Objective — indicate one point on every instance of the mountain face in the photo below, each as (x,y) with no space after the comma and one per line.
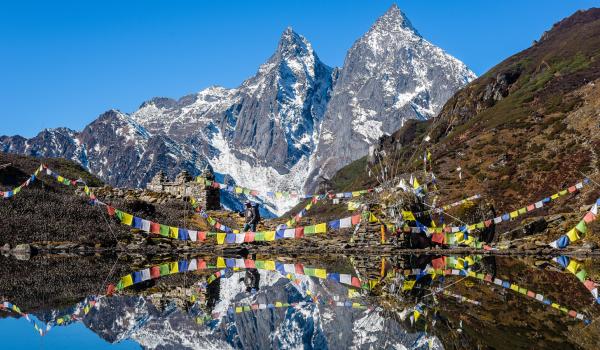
(294,116)
(390,74)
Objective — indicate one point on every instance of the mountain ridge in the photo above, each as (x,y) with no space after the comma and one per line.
(265,133)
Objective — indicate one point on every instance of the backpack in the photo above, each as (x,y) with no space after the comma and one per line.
(256,213)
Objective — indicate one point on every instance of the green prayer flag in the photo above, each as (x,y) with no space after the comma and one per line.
(164,230)
(581,227)
(581,275)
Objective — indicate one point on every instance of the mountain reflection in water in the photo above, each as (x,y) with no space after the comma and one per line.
(337,302)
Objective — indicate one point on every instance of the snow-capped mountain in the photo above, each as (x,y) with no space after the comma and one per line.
(390,74)
(294,116)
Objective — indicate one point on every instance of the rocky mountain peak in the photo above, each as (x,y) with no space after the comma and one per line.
(394,20)
(292,44)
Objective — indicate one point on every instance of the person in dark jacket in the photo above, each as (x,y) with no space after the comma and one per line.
(251,215)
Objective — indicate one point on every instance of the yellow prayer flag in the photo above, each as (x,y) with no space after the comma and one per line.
(573,266)
(220,262)
(269,235)
(127,219)
(373,218)
(408,216)
(173,267)
(174,232)
(408,285)
(269,265)
(554,196)
(416,184)
(238,309)
(126,281)
(278,304)
(321,273)
(416,315)
(514,214)
(321,228)
(221,237)
(572,234)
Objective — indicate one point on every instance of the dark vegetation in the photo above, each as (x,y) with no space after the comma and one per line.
(50,211)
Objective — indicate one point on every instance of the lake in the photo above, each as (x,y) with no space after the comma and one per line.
(312,302)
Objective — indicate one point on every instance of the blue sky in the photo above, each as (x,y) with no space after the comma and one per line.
(17,333)
(63,63)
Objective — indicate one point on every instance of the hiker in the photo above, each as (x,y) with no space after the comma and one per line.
(251,280)
(252,216)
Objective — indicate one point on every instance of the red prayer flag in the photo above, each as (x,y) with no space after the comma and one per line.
(249,263)
(249,237)
(110,210)
(572,189)
(589,284)
(589,217)
(201,236)
(531,207)
(355,282)
(299,269)
(154,227)
(201,264)
(439,263)
(438,238)
(572,313)
(299,232)
(355,219)
(488,278)
(487,223)
(530,294)
(154,272)
(111,289)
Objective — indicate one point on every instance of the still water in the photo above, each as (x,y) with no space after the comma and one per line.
(320,302)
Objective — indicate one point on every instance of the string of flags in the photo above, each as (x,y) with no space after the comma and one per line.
(8,306)
(185,234)
(276,195)
(443,235)
(443,271)
(224,264)
(43,328)
(506,216)
(16,190)
(579,231)
(579,271)
(84,307)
